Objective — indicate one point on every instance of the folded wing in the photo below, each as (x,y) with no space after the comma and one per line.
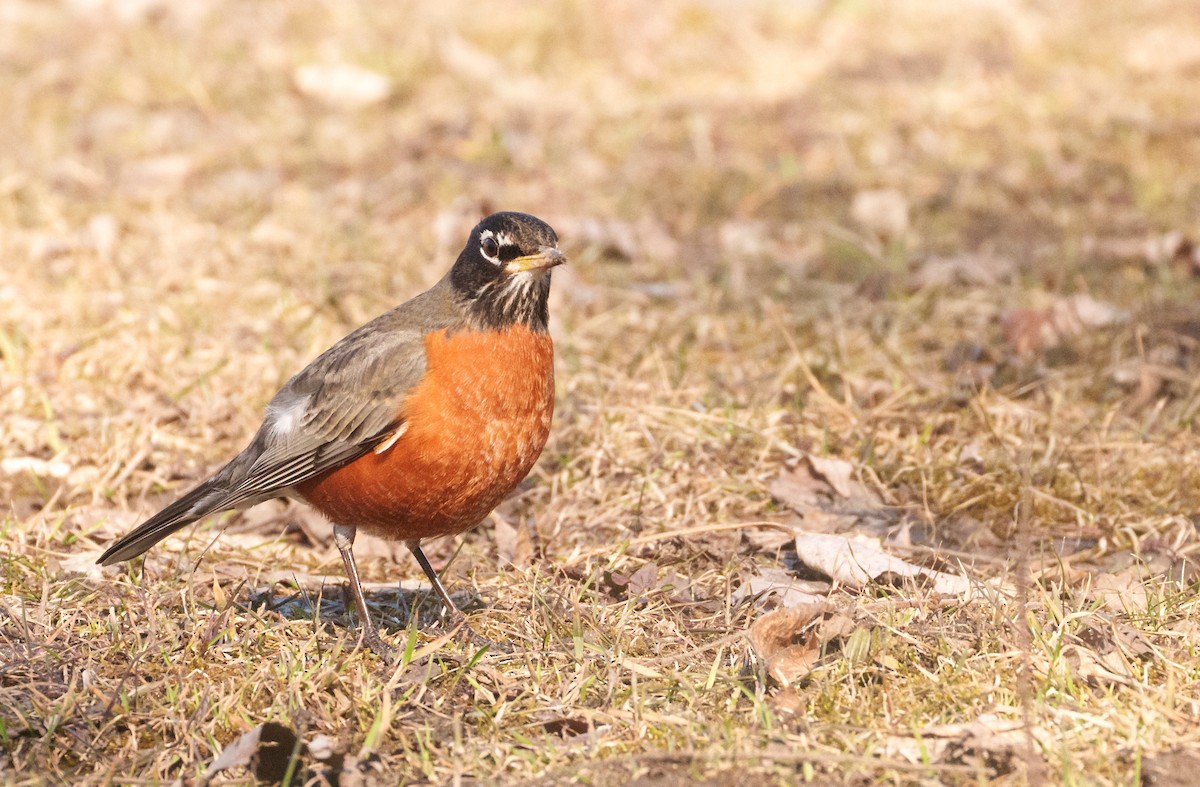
(337,409)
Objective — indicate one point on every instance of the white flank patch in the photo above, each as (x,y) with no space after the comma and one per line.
(286,415)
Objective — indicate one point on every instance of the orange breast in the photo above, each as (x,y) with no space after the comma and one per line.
(475,425)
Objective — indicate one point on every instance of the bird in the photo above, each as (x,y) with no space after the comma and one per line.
(415,425)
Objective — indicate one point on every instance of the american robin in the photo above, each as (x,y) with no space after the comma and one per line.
(415,425)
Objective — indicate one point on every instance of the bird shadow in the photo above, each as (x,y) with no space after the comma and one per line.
(391,607)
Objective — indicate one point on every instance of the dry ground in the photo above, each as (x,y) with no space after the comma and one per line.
(855,231)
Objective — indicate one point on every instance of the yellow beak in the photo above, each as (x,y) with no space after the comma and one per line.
(546,257)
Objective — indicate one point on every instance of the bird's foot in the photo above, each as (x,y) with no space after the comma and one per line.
(371,638)
(459,630)
(464,634)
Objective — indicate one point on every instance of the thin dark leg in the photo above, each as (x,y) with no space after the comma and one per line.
(452,611)
(455,616)
(343,537)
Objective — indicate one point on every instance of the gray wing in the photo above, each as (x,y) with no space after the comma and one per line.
(331,413)
(337,409)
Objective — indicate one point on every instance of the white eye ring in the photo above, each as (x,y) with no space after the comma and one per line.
(489,247)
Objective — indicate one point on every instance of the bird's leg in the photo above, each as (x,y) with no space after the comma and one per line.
(343,537)
(455,617)
(453,613)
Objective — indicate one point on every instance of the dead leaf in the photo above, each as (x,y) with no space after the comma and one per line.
(835,627)
(816,521)
(771,539)
(679,586)
(1106,635)
(789,702)
(267,748)
(220,600)
(1082,311)
(779,638)
(1030,332)
(637,584)
(836,472)
(643,580)
(1096,669)
(857,563)
(780,585)
(825,493)
(514,545)
(987,741)
(1150,373)
(799,488)
(1131,642)
(1121,592)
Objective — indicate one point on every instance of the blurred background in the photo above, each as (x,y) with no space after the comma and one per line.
(904,206)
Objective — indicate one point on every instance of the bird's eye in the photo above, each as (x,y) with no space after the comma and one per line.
(489,247)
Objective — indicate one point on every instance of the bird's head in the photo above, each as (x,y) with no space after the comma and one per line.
(503,273)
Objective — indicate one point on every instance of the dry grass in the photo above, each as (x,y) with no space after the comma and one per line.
(181,228)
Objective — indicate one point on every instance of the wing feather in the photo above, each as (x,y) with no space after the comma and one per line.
(340,407)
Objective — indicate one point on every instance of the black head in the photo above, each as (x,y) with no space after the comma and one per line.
(503,273)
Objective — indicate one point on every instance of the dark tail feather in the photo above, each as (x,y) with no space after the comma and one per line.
(205,499)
